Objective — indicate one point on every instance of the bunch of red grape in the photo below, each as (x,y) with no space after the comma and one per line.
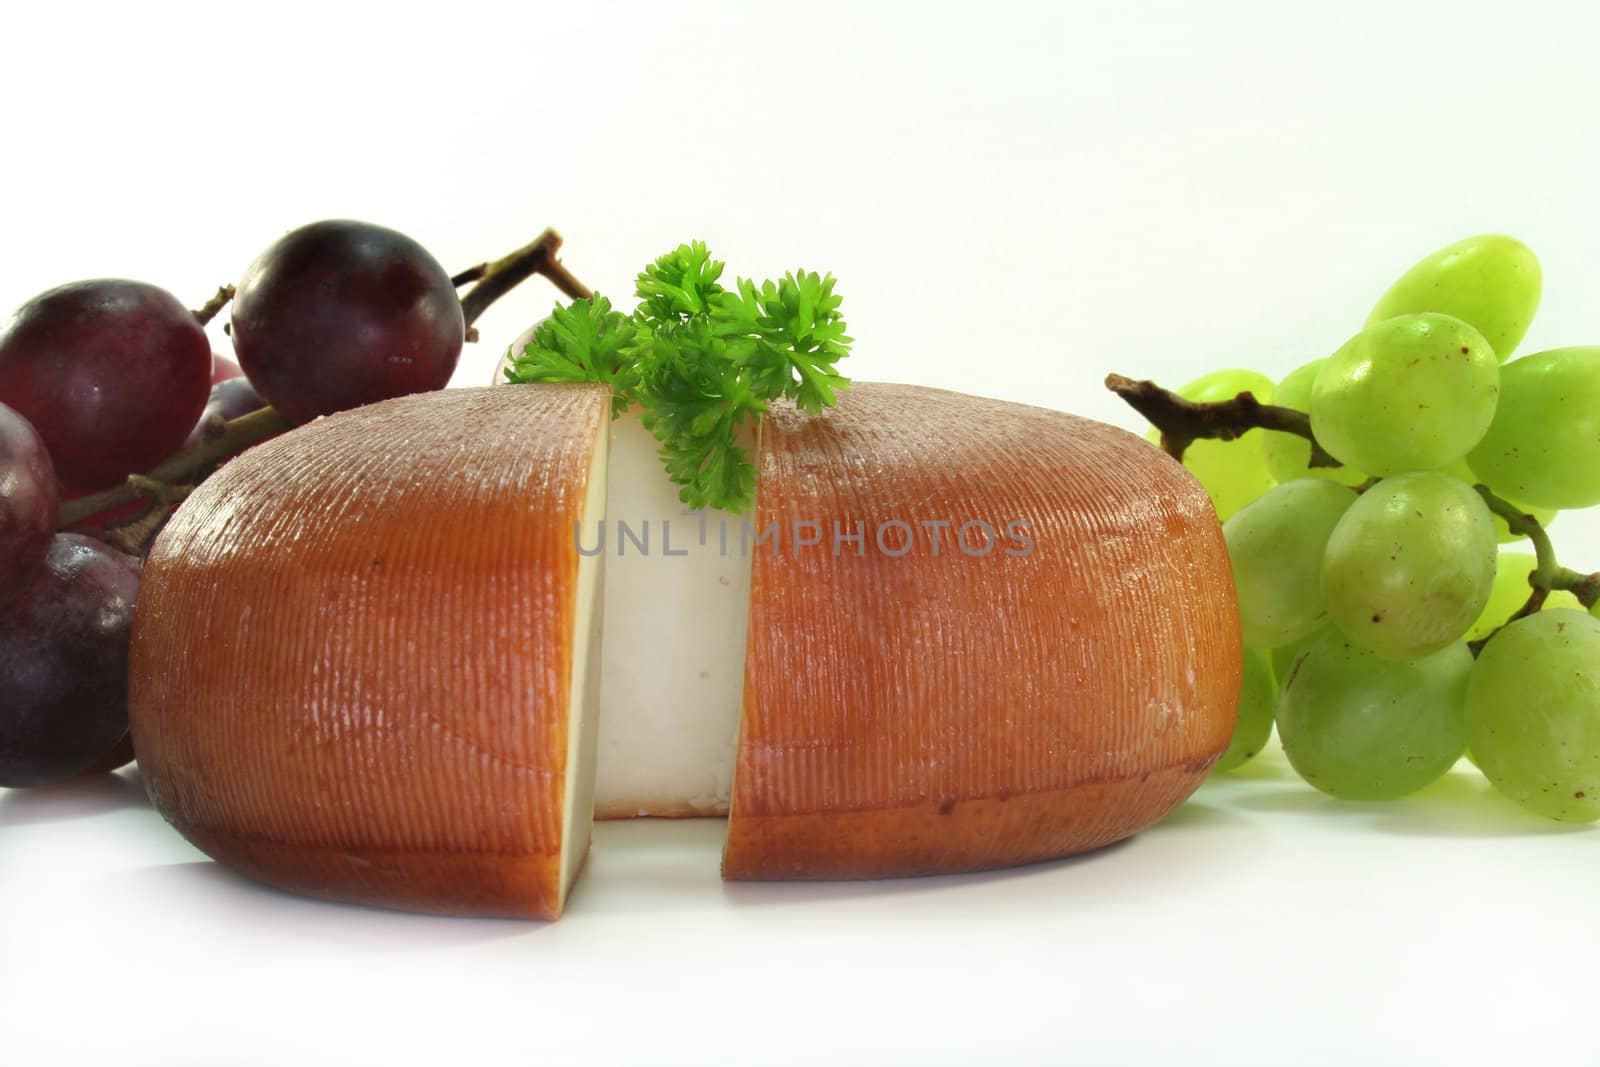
(100,380)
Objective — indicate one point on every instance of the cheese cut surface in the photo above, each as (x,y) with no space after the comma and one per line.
(972,707)
(363,665)
(677,605)
(583,695)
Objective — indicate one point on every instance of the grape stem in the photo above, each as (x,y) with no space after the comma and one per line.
(491,281)
(1548,574)
(134,536)
(1586,587)
(1183,422)
(181,469)
(210,308)
(159,492)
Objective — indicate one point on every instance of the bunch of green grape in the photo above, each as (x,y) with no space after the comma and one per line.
(1361,585)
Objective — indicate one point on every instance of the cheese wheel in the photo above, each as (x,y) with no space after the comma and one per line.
(365,664)
(981,634)
(955,634)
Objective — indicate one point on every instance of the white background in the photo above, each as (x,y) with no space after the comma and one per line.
(1016,199)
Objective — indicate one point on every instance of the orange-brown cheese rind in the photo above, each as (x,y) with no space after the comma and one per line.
(352,659)
(962,710)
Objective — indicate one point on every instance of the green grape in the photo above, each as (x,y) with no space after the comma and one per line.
(1412,393)
(1232,472)
(1288,455)
(1276,544)
(1284,656)
(1511,591)
(1533,714)
(1364,728)
(1543,516)
(1544,443)
(1410,565)
(1492,281)
(1258,694)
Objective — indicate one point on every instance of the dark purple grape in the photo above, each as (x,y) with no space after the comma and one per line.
(229,399)
(111,373)
(339,314)
(64,662)
(28,500)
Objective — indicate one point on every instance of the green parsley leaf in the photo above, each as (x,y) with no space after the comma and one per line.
(701,361)
(585,341)
(790,335)
(696,401)
(679,285)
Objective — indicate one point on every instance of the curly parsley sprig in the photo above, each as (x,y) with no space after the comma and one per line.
(584,341)
(701,360)
(679,286)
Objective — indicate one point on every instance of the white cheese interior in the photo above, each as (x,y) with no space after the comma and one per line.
(582,731)
(671,667)
(677,606)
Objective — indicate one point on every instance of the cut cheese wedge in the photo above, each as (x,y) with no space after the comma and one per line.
(365,659)
(1014,639)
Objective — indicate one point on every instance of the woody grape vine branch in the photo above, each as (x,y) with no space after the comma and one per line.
(1182,422)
